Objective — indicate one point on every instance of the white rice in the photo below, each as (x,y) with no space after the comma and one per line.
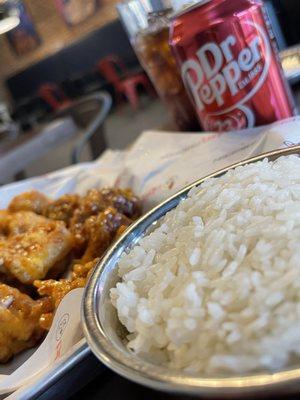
(216,287)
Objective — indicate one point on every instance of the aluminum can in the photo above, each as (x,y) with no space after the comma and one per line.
(227,54)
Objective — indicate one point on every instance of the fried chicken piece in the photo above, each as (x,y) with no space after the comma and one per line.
(29,201)
(19,321)
(19,222)
(97,201)
(84,270)
(55,291)
(22,221)
(63,208)
(101,230)
(30,255)
(124,201)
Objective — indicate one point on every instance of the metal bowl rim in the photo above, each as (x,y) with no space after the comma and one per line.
(149,374)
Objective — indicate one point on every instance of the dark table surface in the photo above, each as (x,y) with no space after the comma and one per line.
(109,386)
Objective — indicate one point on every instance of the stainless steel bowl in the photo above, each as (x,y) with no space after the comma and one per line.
(106,336)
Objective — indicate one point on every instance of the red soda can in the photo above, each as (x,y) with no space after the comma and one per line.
(229,63)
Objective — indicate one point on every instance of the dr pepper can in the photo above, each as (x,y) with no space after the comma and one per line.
(228,58)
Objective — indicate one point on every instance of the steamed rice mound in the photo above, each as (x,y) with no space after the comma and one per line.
(215,288)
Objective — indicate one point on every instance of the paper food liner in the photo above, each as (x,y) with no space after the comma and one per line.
(155,167)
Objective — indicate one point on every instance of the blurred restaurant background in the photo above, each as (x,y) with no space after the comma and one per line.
(59,56)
